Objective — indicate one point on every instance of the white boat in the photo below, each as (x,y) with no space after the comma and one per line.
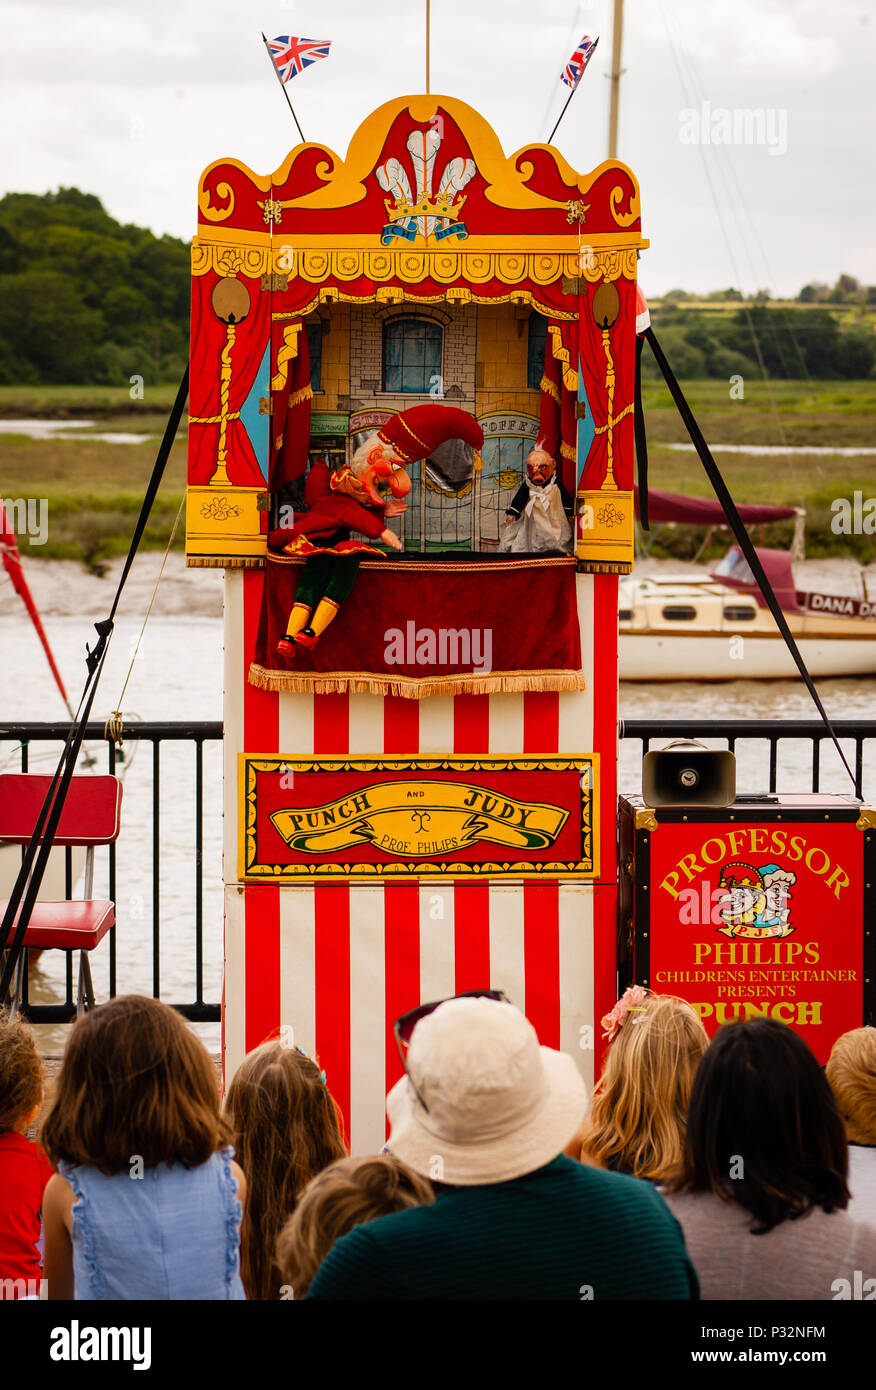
(717,627)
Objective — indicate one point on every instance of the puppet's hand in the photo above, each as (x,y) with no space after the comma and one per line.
(391,539)
(509,517)
(394,507)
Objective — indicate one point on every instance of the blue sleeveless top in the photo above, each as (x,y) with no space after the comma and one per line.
(172,1234)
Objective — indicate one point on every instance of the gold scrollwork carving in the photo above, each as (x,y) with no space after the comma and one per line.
(617,195)
(380,265)
(347,265)
(445,267)
(314,265)
(222,190)
(607,265)
(411,266)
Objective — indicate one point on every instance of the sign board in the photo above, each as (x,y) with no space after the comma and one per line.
(441,817)
(763,918)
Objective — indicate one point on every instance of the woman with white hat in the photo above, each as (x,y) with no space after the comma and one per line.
(487,1115)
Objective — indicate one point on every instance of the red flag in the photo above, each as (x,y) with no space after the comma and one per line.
(11,557)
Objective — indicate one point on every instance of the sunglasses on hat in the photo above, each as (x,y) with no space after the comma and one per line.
(404,1026)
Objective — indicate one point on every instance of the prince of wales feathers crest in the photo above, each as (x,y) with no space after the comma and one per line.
(425,215)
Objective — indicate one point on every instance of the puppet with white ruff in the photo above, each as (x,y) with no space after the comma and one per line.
(540,515)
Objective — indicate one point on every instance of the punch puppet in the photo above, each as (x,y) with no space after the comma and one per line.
(360,497)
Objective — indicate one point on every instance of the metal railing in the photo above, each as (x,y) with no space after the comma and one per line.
(771,731)
(199,1010)
(155,733)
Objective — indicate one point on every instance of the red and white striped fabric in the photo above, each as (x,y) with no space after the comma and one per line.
(333,965)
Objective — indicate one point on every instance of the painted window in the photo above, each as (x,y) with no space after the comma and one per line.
(411,356)
(536,350)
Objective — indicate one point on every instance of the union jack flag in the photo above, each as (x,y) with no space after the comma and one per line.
(291,55)
(574,69)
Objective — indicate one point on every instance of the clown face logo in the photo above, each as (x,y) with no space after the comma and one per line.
(755,902)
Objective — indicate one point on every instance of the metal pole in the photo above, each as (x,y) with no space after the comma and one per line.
(283,85)
(616,41)
(428,40)
(572,93)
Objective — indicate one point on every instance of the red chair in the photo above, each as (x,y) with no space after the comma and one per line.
(91,816)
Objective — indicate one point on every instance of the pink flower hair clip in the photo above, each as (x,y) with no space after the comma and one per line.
(631,1001)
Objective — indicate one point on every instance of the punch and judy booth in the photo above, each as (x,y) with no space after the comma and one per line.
(420,715)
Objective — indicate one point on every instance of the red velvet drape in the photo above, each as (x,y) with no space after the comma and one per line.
(209,340)
(292,402)
(557,423)
(595,366)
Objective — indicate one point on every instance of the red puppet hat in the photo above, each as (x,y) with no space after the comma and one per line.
(417,432)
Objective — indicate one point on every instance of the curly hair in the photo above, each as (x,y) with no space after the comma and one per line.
(21,1071)
(851,1072)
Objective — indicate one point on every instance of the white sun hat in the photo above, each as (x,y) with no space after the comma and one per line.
(499,1105)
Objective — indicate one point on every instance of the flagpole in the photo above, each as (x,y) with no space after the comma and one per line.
(428,41)
(573,91)
(563,112)
(283,85)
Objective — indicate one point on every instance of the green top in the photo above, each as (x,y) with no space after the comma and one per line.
(565,1231)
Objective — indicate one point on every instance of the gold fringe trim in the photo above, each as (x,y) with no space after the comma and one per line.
(604,567)
(413,688)
(550,389)
(568,452)
(570,376)
(454,295)
(223,562)
(299,397)
(285,354)
(441,566)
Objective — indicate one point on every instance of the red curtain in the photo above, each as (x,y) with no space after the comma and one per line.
(209,339)
(292,401)
(601,353)
(557,423)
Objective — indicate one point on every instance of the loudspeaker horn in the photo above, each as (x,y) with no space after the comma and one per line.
(686,773)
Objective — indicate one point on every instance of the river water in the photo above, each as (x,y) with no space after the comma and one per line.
(178,675)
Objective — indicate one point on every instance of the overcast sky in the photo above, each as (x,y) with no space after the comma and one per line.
(131,101)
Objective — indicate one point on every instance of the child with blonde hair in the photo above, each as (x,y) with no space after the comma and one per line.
(287,1128)
(637,1118)
(851,1073)
(146,1202)
(347,1194)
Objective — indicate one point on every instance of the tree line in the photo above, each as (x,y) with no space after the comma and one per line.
(86,300)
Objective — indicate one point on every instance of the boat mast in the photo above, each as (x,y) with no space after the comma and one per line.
(616,40)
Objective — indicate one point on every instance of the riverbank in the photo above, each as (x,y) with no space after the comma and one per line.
(65,589)
(93,485)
